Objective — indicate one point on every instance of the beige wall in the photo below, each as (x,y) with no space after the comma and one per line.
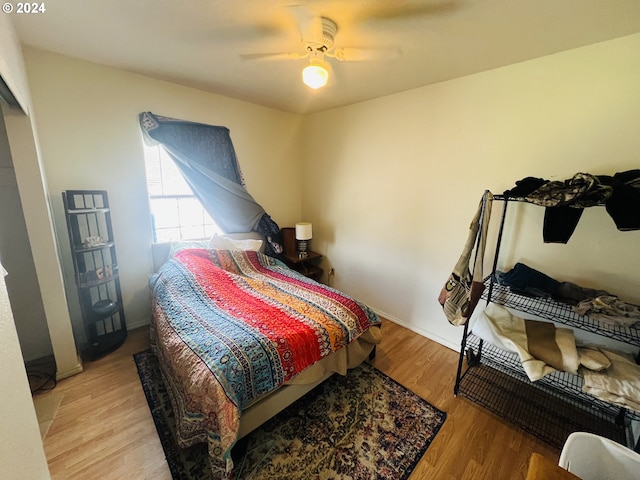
(87,116)
(391,184)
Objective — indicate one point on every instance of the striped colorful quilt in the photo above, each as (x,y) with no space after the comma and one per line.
(231,326)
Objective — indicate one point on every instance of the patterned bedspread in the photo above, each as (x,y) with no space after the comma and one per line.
(231,326)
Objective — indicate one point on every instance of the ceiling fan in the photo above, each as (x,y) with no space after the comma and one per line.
(317,35)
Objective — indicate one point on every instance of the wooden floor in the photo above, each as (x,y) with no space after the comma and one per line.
(104,430)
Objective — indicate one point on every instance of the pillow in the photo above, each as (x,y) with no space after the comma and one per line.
(222,242)
(182,244)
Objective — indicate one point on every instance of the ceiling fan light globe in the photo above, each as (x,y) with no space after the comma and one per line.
(315,76)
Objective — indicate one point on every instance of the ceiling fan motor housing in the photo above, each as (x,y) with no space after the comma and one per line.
(325,41)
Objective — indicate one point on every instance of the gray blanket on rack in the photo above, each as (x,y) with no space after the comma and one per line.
(542,347)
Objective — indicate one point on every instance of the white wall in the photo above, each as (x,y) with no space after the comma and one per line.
(391,184)
(87,116)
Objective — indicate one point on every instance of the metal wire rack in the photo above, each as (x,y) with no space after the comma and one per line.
(559,312)
(556,383)
(554,406)
(541,408)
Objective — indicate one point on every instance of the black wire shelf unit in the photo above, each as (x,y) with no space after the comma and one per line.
(555,406)
(96,271)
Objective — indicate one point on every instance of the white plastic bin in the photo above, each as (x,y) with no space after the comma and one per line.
(592,457)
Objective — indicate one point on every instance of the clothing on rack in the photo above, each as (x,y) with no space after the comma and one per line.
(462,290)
(542,347)
(582,190)
(565,200)
(624,204)
(530,282)
(591,357)
(559,223)
(609,309)
(619,384)
(525,186)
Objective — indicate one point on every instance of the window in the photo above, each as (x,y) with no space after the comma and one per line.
(176,212)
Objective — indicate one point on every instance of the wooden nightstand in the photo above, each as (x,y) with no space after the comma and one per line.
(308,266)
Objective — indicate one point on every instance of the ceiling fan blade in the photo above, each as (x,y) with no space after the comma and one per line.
(309,23)
(274,56)
(365,54)
(305,19)
(402,10)
(313,30)
(233,33)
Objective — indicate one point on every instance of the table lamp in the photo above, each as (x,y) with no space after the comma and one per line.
(304,233)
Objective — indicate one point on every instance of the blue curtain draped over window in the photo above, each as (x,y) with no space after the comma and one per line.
(206,157)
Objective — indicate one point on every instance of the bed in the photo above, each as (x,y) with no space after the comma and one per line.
(240,336)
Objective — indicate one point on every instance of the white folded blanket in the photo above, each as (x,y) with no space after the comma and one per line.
(543,348)
(619,384)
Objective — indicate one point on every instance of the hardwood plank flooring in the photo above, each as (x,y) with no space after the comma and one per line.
(104,430)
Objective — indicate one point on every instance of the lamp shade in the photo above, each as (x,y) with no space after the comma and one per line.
(304,231)
(315,75)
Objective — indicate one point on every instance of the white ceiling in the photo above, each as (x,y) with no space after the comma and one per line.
(199,42)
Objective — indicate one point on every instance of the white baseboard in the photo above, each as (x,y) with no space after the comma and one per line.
(138,324)
(436,338)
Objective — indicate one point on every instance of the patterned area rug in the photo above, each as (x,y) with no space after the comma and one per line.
(361,426)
